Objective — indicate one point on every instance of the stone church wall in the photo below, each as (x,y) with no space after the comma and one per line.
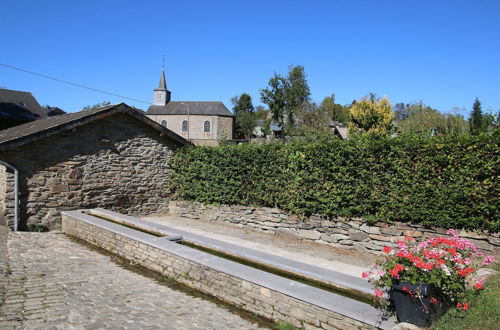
(117,163)
(221,128)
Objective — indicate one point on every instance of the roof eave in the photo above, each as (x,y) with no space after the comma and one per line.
(110,110)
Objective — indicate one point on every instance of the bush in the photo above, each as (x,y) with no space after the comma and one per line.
(449,182)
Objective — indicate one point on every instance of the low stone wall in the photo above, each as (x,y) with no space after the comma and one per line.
(237,284)
(342,232)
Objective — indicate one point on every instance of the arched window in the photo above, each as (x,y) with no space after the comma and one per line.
(164,123)
(206,126)
(185,126)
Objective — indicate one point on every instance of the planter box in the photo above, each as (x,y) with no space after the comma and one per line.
(416,308)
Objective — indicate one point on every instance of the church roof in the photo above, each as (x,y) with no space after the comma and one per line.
(194,107)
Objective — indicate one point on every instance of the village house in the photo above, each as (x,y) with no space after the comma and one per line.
(112,157)
(202,123)
(18,107)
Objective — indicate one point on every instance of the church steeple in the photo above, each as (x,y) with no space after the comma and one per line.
(161,94)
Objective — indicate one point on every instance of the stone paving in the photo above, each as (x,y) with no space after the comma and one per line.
(52,282)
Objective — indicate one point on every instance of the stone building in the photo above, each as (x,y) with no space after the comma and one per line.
(203,123)
(112,157)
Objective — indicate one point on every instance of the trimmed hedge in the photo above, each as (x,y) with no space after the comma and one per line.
(449,182)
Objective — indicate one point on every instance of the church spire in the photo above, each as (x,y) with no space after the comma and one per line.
(163,84)
(161,94)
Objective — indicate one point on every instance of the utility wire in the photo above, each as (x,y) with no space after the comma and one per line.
(72,83)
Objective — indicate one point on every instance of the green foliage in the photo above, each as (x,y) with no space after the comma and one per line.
(245,115)
(448,182)
(335,111)
(483,314)
(97,105)
(286,95)
(371,116)
(476,120)
(421,119)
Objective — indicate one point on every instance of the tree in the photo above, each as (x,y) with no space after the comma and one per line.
(335,111)
(477,120)
(286,95)
(97,105)
(312,119)
(245,115)
(242,103)
(421,119)
(371,116)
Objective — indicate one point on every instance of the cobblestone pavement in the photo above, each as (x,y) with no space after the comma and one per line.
(56,283)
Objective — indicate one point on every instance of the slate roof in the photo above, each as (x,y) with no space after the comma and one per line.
(54,111)
(195,108)
(38,129)
(24,100)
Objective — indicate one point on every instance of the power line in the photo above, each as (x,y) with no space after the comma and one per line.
(72,83)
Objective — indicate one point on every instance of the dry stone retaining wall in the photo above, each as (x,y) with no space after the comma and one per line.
(346,233)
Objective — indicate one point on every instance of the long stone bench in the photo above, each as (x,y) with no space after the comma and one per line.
(251,289)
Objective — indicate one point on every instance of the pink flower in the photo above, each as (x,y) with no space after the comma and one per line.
(488,260)
(479,285)
(378,293)
(364,275)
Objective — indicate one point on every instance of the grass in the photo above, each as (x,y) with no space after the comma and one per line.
(484,312)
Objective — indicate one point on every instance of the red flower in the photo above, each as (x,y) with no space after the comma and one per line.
(465,307)
(364,274)
(466,271)
(434,301)
(479,285)
(378,293)
(387,249)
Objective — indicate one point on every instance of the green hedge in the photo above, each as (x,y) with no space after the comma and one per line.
(448,182)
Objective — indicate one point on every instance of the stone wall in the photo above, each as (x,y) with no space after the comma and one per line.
(115,162)
(164,258)
(342,232)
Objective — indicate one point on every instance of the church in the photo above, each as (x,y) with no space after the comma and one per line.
(201,122)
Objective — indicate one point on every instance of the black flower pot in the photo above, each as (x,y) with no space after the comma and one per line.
(413,303)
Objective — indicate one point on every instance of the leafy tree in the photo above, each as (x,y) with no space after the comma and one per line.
(286,95)
(97,105)
(242,103)
(312,120)
(401,111)
(371,116)
(335,111)
(245,115)
(424,120)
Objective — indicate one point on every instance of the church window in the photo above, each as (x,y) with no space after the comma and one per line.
(164,123)
(185,126)
(206,126)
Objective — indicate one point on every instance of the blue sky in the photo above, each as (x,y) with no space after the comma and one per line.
(444,53)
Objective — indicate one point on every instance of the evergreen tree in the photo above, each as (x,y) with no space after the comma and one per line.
(476,119)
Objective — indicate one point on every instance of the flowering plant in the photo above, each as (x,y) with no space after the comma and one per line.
(442,262)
